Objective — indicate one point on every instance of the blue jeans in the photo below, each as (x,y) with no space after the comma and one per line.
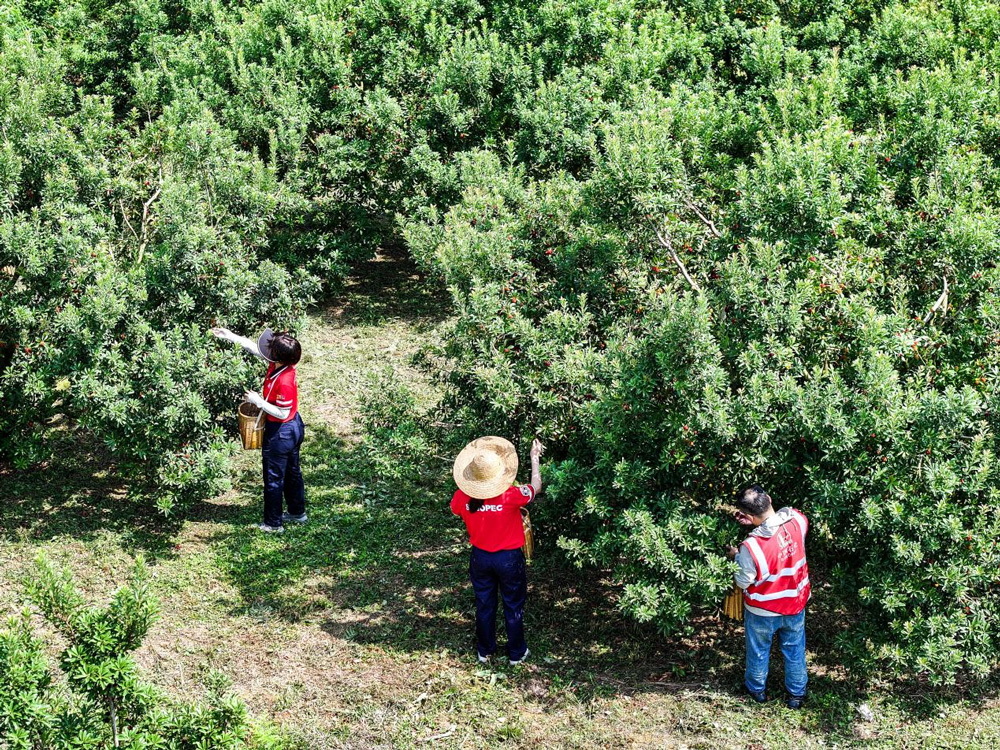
(791,630)
(501,571)
(282,475)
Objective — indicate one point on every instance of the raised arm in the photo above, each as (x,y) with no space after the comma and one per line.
(250,345)
(537,449)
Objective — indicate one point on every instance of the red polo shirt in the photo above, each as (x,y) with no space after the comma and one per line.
(281,390)
(497,524)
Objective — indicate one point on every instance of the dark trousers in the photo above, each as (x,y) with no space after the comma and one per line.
(282,475)
(504,572)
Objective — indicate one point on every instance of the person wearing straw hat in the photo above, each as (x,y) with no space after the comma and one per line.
(283,431)
(490,504)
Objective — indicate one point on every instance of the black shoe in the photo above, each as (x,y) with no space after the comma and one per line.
(758,697)
(795,702)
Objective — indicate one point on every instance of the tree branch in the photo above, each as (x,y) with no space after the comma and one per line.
(704,219)
(665,242)
(144,225)
(121,205)
(941,304)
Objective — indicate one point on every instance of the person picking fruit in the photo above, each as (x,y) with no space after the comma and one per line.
(774,576)
(284,429)
(490,504)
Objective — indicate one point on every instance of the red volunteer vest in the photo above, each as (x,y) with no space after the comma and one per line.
(782,584)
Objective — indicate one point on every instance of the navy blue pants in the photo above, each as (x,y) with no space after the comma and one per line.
(503,572)
(282,475)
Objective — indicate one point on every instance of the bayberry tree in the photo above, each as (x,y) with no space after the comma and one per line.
(775,263)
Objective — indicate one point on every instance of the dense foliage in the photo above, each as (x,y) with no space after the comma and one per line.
(120,241)
(690,244)
(753,244)
(107,702)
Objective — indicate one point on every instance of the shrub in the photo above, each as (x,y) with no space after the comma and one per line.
(119,247)
(779,267)
(107,700)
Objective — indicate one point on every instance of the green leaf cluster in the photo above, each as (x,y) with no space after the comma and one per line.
(105,702)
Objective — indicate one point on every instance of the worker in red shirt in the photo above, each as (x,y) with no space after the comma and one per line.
(490,504)
(283,431)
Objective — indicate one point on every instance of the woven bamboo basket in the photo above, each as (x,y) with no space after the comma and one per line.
(251,426)
(529,535)
(732,606)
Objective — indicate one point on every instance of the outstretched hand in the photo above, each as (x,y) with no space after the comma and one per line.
(537,449)
(731,552)
(221,333)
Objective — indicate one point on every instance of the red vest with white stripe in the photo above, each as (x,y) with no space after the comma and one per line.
(782,584)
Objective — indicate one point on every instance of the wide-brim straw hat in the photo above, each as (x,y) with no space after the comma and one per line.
(264,344)
(486,467)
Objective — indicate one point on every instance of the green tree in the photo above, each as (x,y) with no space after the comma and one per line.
(775,265)
(98,659)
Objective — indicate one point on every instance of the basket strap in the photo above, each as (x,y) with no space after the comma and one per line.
(274,381)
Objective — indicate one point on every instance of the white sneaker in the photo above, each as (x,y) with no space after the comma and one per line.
(482,659)
(271,529)
(515,663)
(289,518)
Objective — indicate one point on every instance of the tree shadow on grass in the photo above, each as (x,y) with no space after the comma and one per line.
(389,287)
(355,524)
(77,493)
(382,562)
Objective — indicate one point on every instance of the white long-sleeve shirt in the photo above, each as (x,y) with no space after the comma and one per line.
(251,346)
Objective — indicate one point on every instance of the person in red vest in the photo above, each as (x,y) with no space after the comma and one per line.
(774,577)
(283,430)
(490,504)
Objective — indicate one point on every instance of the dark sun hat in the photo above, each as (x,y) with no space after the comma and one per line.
(264,344)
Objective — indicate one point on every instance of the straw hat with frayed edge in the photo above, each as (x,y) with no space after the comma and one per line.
(486,467)
(264,344)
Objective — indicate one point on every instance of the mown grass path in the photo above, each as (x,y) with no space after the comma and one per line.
(355,630)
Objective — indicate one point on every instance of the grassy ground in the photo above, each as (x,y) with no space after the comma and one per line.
(355,630)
